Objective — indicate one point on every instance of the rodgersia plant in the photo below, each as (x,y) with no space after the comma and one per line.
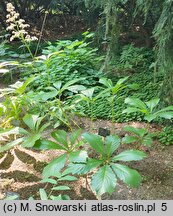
(18,27)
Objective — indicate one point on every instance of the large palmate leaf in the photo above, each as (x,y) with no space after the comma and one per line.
(138,131)
(129,176)
(129,139)
(61,137)
(147,140)
(74,136)
(43,144)
(76,168)
(95,142)
(54,166)
(111,144)
(130,155)
(103,181)
(92,164)
(78,156)
(30,141)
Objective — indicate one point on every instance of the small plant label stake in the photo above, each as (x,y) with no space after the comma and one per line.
(104,132)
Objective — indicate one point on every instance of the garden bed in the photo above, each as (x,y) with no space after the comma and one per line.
(23,174)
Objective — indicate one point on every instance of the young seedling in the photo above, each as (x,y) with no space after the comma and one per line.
(148,109)
(138,136)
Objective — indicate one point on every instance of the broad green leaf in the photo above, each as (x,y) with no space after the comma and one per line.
(49,180)
(78,156)
(54,166)
(111,144)
(70,83)
(30,121)
(61,188)
(92,164)
(103,181)
(95,142)
(75,168)
(169,108)
(76,88)
(21,89)
(43,144)
(61,137)
(129,176)
(147,140)
(107,82)
(43,194)
(68,178)
(60,197)
(133,86)
(150,117)
(138,131)
(48,95)
(130,110)
(88,93)
(11,144)
(57,85)
(166,115)
(74,136)
(152,103)
(129,139)
(117,88)
(30,141)
(122,80)
(42,128)
(136,102)
(130,155)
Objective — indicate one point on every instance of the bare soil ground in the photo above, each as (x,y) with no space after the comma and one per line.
(20,170)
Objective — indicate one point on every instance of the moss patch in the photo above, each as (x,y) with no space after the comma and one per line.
(39,166)
(6,163)
(24,157)
(21,176)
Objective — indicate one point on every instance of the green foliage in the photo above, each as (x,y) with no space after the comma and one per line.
(79,163)
(110,91)
(138,136)
(66,61)
(148,109)
(68,145)
(15,103)
(166,136)
(31,134)
(54,180)
(108,170)
(146,89)
(133,59)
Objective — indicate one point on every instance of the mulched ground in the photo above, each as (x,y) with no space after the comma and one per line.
(20,170)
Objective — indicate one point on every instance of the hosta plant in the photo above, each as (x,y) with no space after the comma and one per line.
(138,136)
(148,109)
